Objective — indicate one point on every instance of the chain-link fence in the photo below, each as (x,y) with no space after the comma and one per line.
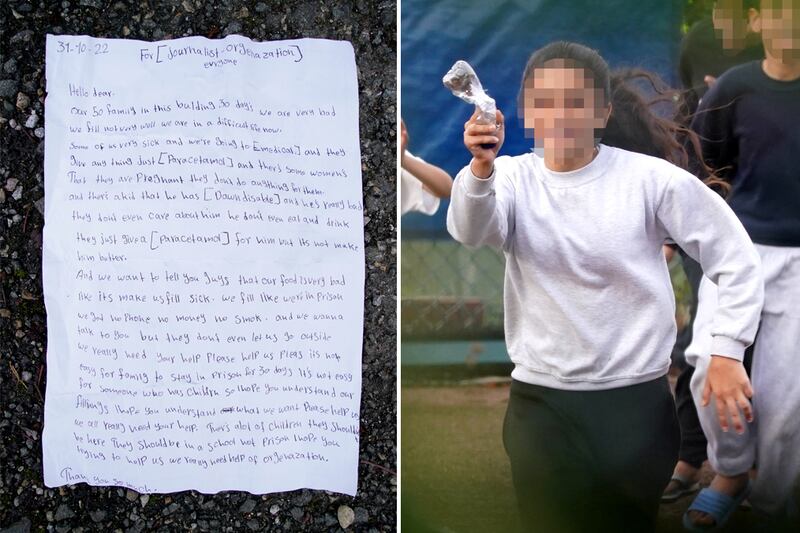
(451,292)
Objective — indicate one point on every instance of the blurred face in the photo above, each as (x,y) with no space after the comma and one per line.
(780,28)
(731,23)
(563,110)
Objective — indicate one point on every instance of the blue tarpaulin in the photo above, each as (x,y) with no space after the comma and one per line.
(497,38)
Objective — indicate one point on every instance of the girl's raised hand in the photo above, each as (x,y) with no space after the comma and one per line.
(483,141)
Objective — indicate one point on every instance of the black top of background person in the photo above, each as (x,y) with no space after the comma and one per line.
(748,124)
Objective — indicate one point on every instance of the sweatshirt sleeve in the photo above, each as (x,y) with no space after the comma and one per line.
(703,225)
(413,196)
(481,211)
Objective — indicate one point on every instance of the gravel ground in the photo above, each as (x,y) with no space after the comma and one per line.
(25,504)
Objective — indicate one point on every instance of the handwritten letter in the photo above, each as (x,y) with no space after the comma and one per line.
(203,264)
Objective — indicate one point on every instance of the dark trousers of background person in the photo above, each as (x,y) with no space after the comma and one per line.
(591,460)
(694,446)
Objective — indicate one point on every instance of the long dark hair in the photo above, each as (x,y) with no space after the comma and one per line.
(633,124)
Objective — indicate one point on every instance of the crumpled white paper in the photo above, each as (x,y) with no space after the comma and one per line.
(203,264)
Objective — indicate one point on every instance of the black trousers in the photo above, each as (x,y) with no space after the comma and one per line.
(694,446)
(694,273)
(591,460)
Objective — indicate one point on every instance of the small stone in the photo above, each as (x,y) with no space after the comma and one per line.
(171,508)
(254,525)
(32,120)
(8,88)
(39,204)
(261,7)
(232,28)
(23,101)
(39,132)
(275,509)
(248,506)
(63,512)
(23,526)
(144,498)
(11,184)
(24,36)
(304,498)
(131,495)
(26,376)
(126,31)
(361,515)
(97,516)
(346,516)
(10,66)
(297,513)
(187,6)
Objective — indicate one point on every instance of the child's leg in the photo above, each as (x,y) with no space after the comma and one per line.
(693,440)
(776,365)
(692,452)
(729,454)
(776,378)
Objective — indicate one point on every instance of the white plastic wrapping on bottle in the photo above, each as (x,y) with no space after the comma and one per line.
(464,83)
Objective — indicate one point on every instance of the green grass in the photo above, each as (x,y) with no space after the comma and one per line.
(455,473)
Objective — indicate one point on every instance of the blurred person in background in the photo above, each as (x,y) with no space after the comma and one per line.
(421,184)
(727,38)
(749,125)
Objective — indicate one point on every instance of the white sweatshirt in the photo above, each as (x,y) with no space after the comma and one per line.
(588,299)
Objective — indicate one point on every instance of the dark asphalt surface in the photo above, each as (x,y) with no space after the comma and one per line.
(25,504)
